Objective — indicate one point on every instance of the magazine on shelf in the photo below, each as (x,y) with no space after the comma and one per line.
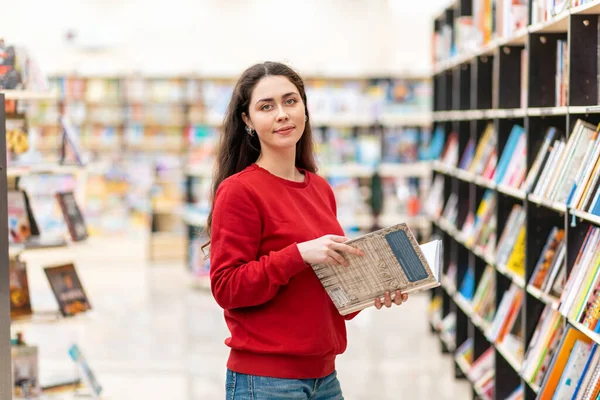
(393,260)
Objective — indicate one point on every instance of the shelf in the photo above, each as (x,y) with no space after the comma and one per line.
(199,170)
(508,113)
(485,257)
(410,119)
(536,389)
(589,333)
(28,95)
(589,8)
(558,24)
(463,304)
(547,111)
(543,297)
(479,322)
(462,364)
(585,216)
(511,191)
(464,175)
(553,205)
(406,170)
(510,359)
(193,218)
(517,280)
(518,39)
(48,317)
(488,183)
(347,170)
(54,169)
(413,221)
(585,109)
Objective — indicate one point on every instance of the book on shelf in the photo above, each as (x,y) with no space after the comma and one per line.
(540,160)
(67,289)
(482,369)
(484,300)
(574,359)
(464,352)
(485,153)
(581,289)
(549,272)
(449,155)
(20,301)
(85,371)
(485,211)
(393,260)
(543,344)
(506,314)
(467,286)
(73,216)
(25,372)
(506,243)
(511,165)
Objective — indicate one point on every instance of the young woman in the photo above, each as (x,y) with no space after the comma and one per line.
(272,216)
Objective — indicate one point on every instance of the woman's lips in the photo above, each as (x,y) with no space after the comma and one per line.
(285,130)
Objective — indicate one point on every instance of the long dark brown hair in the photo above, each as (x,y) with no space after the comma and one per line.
(237,150)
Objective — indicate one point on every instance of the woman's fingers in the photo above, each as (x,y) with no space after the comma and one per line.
(405,297)
(378,304)
(399,298)
(347,249)
(387,300)
(337,257)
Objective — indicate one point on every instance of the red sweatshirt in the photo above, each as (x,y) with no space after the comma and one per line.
(282,322)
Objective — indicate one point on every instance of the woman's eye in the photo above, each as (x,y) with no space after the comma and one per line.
(290,101)
(266,107)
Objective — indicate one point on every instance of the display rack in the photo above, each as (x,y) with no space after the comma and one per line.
(5,353)
(491,85)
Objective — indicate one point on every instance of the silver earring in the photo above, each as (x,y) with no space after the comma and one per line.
(249,131)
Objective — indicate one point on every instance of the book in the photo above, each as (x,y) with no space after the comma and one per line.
(73,216)
(88,375)
(25,372)
(393,260)
(67,289)
(20,302)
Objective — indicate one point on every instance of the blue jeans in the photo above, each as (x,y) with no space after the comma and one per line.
(251,387)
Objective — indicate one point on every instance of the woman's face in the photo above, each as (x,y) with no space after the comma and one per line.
(276,112)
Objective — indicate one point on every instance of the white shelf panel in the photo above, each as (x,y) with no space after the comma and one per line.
(589,8)
(347,170)
(546,111)
(558,24)
(400,170)
(28,95)
(586,216)
(200,170)
(423,119)
(511,191)
(43,169)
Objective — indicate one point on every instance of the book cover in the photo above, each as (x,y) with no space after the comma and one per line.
(25,372)
(20,302)
(67,289)
(393,261)
(73,216)
(88,375)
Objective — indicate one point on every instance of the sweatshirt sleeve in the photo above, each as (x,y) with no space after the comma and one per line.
(239,277)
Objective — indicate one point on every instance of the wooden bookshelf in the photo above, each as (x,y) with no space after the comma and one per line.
(483,86)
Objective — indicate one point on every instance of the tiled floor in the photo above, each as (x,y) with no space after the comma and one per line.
(151,336)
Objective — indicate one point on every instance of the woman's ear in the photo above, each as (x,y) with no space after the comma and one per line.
(246,120)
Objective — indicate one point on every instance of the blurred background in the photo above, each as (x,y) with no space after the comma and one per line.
(113,111)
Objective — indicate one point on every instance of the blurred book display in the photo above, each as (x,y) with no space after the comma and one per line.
(393,260)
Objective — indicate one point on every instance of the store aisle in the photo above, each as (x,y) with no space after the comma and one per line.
(153,337)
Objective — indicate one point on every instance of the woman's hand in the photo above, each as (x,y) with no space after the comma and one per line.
(327,249)
(399,299)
